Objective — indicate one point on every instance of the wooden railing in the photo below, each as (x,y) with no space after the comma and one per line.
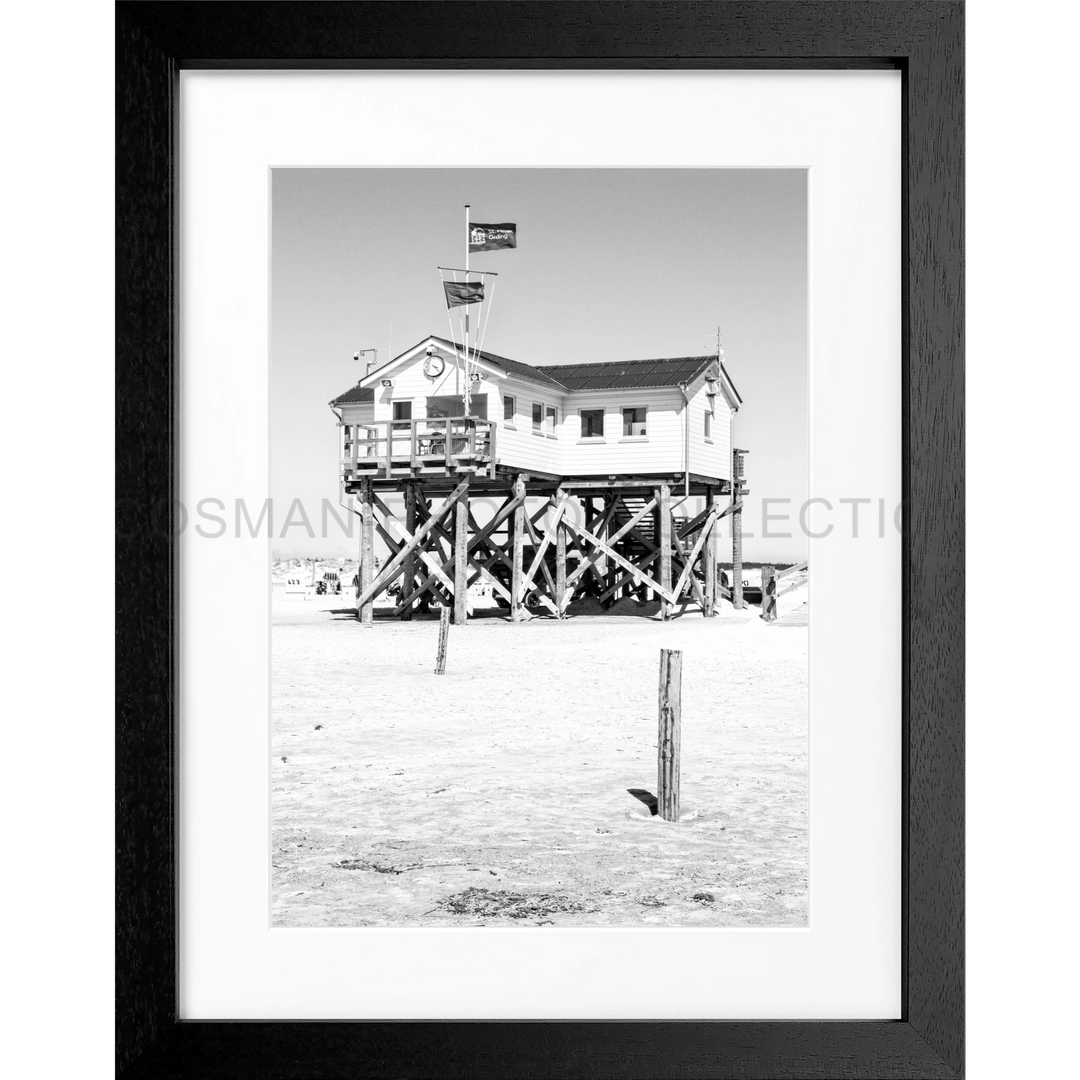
(453,444)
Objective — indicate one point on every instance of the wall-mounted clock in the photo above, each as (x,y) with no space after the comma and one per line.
(434,366)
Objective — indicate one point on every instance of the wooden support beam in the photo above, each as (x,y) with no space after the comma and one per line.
(560,557)
(737,600)
(688,566)
(421,549)
(768,593)
(710,557)
(792,570)
(687,527)
(669,735)
(480,538)
(541,547)
(409,581)
(517,613)
(461,561)
(627,528)
(680,561)
(638,574)
(663,499)
(627,577)
(365,609)
(589,564)
(393,567)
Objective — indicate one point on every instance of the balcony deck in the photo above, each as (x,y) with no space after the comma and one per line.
(441,450)
(404,449)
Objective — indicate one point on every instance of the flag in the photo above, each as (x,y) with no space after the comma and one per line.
(492,237)
(463,292)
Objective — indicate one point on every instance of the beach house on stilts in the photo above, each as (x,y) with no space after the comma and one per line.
(585,462)
(582,460)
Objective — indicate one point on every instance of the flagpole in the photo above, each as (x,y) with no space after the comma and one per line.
(468,384)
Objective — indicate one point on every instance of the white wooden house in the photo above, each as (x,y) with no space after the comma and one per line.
(668,418)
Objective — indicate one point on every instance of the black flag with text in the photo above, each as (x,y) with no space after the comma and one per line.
(492,237)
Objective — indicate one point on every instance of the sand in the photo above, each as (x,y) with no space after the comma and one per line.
(497,794)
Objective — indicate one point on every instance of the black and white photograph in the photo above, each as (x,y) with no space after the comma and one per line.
(539,553)
(539,631)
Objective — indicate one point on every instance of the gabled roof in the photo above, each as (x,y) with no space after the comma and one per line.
(623,374)
(357,393)
(514,367)
(603,375)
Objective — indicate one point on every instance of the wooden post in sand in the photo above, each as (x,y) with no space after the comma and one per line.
(461,559)
(517,576)
(366,614)
(444,634)
(737,492)
(409,580)
(668,735)
(710,558)
(768,593)
(663,499)
(560,559)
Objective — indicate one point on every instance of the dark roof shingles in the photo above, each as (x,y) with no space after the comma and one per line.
(356,393)
(602,375)
(627,374)
(525,371)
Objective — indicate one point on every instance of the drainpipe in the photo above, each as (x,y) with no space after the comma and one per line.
(341,483)
(686,439)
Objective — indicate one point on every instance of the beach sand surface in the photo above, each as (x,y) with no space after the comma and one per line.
(497,794)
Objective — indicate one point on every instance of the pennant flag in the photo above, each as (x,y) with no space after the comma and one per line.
(463,292)
(492,237)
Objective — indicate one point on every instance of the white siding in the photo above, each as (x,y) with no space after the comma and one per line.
(517,445)
(362,412)
(661,450)
(411,384)
(710,458)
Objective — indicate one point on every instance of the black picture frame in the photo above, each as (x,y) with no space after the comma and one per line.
(921,38)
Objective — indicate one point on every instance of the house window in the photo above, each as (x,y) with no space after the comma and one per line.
(402,411)
(633,422)
(537,418)
(509,407)
(708,423)
(592,423)
(551,418)
(454,406)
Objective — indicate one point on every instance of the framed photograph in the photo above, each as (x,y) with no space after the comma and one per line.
(540,426)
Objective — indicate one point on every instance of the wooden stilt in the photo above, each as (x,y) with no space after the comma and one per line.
(768,593)
(366,608)
(413,543)
(560,557)
(517,576)
(611,571)
(539,561)
(710,558)
(669,735)
(737,600)
(409,580)
(687,574)
(663,498)
(634,570)
(461,557)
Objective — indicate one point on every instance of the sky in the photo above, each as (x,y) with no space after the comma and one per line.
(611,264)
